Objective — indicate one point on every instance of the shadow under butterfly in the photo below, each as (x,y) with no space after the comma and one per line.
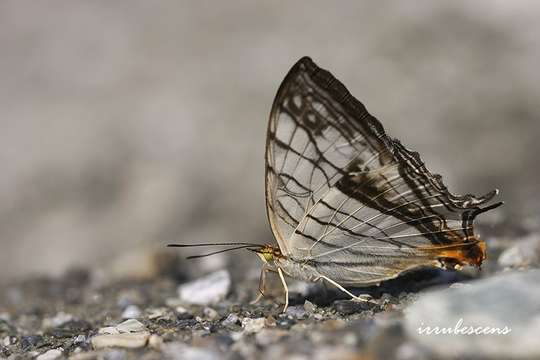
(348,204)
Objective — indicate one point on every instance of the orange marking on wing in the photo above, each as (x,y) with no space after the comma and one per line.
(469,253)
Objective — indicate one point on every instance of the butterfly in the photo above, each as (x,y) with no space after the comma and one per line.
(347,204)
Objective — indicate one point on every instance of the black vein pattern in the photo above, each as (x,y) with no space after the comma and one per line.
(340,191)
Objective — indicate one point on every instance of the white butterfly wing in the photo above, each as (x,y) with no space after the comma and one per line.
(349,200)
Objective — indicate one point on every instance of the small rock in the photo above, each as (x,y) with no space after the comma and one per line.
(210,313)
(4,352)
(50,355)
(348,307)
(109,330)
(232,319)
(285,322)
(31,341)
(180,309)
(127,340)
(297,312)
(184,316)
(206,290)
(70,329)
(131,312)
(155,342)
(80,339)
(253,325)
(309,307)
(180,351)
(59,319)
(130,326)
(154,313)
(505,306)
(6,328)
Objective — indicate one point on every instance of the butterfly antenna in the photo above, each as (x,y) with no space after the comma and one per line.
(219,252)
(236,246)
(214,244)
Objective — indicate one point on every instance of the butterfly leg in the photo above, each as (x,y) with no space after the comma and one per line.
(262,284)
(284,287)
(354,297)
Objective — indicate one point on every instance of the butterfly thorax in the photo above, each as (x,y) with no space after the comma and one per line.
(274,259)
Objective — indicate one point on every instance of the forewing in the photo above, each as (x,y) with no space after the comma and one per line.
(347,198)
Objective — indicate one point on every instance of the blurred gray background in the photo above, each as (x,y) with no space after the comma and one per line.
(134,123)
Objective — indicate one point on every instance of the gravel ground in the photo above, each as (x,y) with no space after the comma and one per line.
(86,314)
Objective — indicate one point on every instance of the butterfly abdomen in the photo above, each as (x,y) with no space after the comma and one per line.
(467,253)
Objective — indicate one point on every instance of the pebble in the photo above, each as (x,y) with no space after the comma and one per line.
(253,325)
(80,339)
(206,290)
(309,307)
(348,307)
(59,319)
(50,355)
(155,342)
(210,313)
(28,342)
(132,311)
(130,326)
(285,321)
(507,302)
(297,312)
(70,329)
(109,330)
(232,319)
(154,313)
(127,340)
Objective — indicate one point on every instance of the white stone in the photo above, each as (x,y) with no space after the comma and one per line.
(232,319)
(127,340)
(155,313)
(210,313)
(79,339)
(110,330)
(207,290)
(50,355)
(253,325)
(59,319)
(181,309)
(131,312)
(505,302)
(130,326)
(155,342)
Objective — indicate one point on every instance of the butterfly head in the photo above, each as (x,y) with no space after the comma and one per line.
(268,253)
